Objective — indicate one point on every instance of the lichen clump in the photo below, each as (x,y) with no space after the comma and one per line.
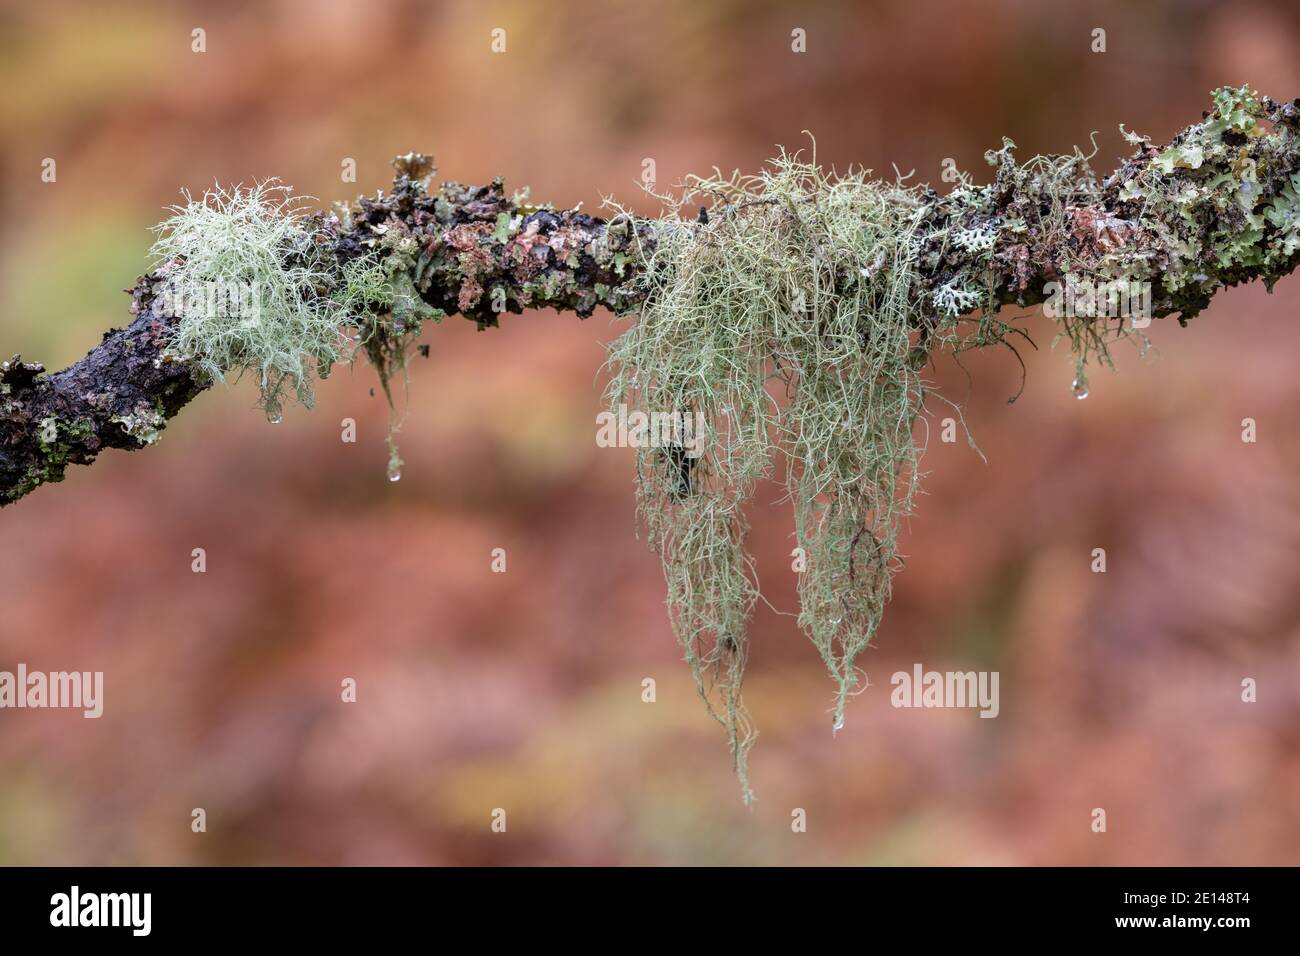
(1223,198)
(251,291)
(788,322)
(257,287)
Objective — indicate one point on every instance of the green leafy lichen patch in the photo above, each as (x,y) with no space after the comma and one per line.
(59,441)
(1221,200)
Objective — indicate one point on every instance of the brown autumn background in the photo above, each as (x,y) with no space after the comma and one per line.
(523,690)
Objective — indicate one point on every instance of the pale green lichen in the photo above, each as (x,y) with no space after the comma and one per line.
(252,291)
(383,284)
(795,320)
(1051,199)
(58,439)
(56,436)
(1283,213)
(1216,206)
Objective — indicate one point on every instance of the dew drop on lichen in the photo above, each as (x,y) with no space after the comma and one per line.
(275,417)
(1079,389)
(394,474)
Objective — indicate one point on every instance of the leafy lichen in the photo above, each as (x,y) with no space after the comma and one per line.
(1206,196)
(143,423)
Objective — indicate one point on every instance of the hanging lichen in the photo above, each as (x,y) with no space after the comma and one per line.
(391,321)
(786,320)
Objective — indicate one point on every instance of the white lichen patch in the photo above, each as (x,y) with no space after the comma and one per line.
(143,423)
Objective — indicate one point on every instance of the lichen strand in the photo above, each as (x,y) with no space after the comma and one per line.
(788,321)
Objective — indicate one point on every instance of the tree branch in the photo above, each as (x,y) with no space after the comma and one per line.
(1219,206)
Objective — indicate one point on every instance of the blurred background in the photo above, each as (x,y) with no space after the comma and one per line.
(522,690)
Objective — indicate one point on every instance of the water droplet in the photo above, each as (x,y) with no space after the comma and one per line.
(1080,389)
(838,726)
(394,474)
(274,416)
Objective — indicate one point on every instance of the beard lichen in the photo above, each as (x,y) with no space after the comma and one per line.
(787,322)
